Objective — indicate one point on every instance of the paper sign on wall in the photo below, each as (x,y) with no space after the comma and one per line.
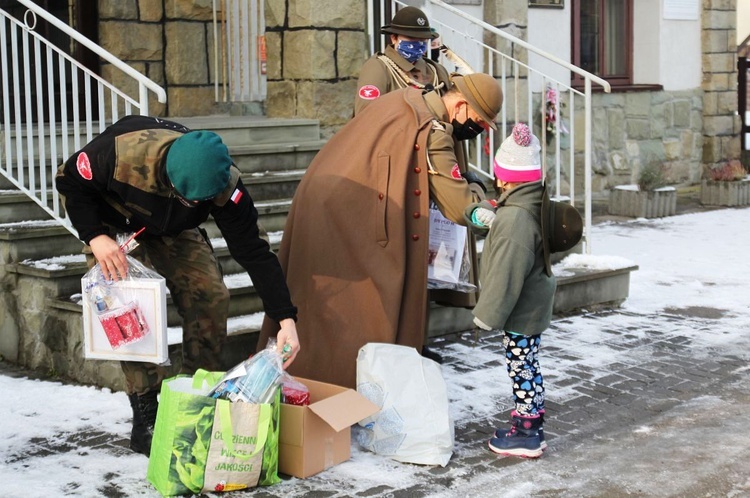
(683,10)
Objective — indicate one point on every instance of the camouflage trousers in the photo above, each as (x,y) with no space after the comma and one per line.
(194,279)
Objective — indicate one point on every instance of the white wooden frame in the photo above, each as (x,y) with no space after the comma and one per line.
(151,295)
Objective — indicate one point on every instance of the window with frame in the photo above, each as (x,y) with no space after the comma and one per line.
(603,39)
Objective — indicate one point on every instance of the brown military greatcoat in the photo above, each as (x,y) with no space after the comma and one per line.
(354,249)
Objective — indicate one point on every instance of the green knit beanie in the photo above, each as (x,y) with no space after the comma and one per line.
(198,165)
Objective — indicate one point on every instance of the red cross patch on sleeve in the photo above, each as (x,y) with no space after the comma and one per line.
(456,173)
(369,92)
(84,166)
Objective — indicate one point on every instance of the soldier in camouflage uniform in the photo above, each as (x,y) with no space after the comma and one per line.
(154,174)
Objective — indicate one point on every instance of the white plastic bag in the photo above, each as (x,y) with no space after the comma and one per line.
(414,423)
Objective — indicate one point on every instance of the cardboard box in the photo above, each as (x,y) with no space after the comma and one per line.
(318,436)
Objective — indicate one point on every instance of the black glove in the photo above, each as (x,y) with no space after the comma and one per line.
(472,177)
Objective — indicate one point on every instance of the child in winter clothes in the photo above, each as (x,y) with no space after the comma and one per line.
(517,293)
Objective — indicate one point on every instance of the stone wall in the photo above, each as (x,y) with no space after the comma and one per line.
(171,42)
(634,129)
(315,50)
(721,126)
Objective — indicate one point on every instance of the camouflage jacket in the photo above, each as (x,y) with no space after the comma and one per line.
(119,180)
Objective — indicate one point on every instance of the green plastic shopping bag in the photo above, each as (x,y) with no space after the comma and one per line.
(185,430)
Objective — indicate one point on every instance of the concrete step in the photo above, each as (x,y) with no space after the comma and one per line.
(234,130)
(21,219)
(62,277)
(275,157)
(66,317)
(272,185)
(257,144)
(35,240)
(64,271)
(15,206)
(243,329)
(39,179)
(271,217)
(577,289)
(255,130)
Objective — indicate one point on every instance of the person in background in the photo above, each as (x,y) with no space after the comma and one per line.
(405,62)
(516,290)
(150,173)
(355,245)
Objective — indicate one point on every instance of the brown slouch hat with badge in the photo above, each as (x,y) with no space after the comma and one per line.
(411,22)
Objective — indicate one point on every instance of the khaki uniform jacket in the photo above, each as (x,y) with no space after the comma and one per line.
(354,248)
(376,78)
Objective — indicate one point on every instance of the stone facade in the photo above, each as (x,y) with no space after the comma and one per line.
(315,50)
(635,129)
(316,47)
(721,125)
(171,42)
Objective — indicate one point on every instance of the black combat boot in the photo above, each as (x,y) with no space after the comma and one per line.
(432,355)
(144,419)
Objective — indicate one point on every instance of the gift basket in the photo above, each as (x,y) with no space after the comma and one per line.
(125,319)
(118,310)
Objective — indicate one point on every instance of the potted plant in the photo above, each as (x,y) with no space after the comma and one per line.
(727,185)
(650,198)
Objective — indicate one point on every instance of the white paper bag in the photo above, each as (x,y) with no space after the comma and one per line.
(414,423)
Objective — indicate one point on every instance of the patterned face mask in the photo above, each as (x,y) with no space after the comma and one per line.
(412,51)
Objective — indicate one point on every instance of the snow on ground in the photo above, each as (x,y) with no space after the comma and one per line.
(694,261)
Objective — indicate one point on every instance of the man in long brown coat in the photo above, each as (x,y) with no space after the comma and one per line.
(354,248)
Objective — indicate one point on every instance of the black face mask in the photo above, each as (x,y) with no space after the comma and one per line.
(466,130)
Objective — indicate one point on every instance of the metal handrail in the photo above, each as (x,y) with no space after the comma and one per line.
(38,133)
(531,48)
(588,79)
(147,82)
(526,88)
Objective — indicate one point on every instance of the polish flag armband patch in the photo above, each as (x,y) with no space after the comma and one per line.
(236,196)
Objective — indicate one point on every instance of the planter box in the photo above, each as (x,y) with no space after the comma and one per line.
(715,193)
(629,200)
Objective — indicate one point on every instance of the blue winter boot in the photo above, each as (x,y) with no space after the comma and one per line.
(522,440)
(501,432)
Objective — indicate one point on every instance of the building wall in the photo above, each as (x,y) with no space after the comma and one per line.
(315,49)
(636,129)
(171,42)
(721,123)
(686,126)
